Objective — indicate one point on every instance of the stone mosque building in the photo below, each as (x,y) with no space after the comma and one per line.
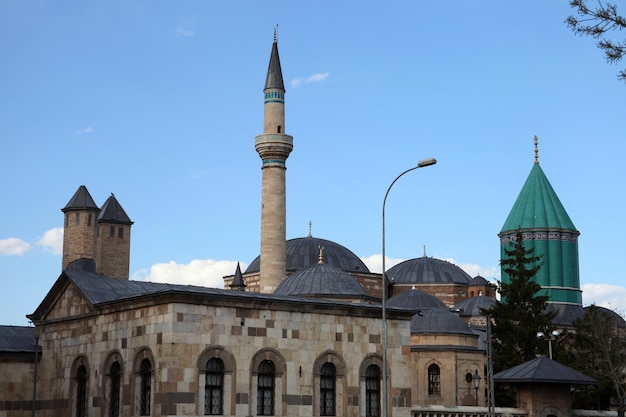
(298,333)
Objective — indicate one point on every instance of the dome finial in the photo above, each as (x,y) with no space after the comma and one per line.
(310,227)
(276,33)
(321,257)
(424,251)
(536,150)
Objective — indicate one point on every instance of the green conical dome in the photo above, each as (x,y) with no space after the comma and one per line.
(537,206)
(546,227)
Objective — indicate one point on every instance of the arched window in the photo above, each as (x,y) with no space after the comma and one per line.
(81,391)
(434,380)
(115,376)
(214,387)
(328,377)
(145,372)
(265,389)
(372,391)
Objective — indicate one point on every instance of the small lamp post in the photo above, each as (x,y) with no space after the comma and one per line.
(476,378)
(553,335)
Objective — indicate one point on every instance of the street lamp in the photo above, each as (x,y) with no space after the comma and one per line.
(421,164)
(476,378)
(553,335)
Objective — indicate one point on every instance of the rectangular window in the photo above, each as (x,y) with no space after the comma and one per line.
(112,231)
(89,219)
(77,219)
(120,232)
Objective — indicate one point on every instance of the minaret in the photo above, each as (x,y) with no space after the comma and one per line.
(546,226)
(273,147)
(79,227)
(113,241)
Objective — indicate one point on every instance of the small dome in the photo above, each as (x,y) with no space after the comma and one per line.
(471,307)
(478,280)
(616,319)
(415,300)
(437,321)
(303,252)
(321,280)
(426,270)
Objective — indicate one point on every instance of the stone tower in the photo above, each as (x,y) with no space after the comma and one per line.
(79,227)
(102,235)
(273,147)
(546,226)
(113,241)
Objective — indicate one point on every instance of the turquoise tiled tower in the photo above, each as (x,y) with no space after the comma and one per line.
(546,226)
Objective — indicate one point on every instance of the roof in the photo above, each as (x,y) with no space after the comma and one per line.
(415,300)
(321,280)
(427,270)
(537,206)
(304,252)
(471,307)
(17,339)
(274,78)
(112,212)
(80,200)
(543,370)
(566,314)
(478,280)
(439,321)
(100,290)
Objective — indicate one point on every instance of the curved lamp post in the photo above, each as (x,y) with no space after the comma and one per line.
(421,164)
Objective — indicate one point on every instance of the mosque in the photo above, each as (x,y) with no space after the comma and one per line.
(298,333)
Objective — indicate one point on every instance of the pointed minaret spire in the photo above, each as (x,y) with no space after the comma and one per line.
(238,283)
(273,146)
(536,150)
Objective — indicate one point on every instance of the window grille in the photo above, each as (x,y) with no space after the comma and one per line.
(265,389)
(214,387)
(328,375)
(372,391)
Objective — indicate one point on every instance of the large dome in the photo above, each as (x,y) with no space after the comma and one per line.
(321,280)
(304,251)
(471,307)
(427,270)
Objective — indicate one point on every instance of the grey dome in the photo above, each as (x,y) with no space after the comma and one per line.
(303,252)
(471,307)
(426,270)
(478,280)
(438,321)
(321,280)
(415,300)
(608,314)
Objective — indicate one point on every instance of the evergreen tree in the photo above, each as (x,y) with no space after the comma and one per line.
(520,313)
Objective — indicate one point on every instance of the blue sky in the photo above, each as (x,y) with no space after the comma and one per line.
(159,102)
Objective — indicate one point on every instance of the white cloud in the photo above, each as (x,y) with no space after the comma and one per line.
(605,295)
(490,273)
(85,131)
(196,175)
(202,272)
(14,246)
(52,241)
(315,78)
(375,263)
(183,32)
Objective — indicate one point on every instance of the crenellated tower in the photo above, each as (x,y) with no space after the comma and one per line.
(273,146)
(546,226)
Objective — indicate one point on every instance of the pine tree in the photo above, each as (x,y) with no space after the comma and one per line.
(520,313)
